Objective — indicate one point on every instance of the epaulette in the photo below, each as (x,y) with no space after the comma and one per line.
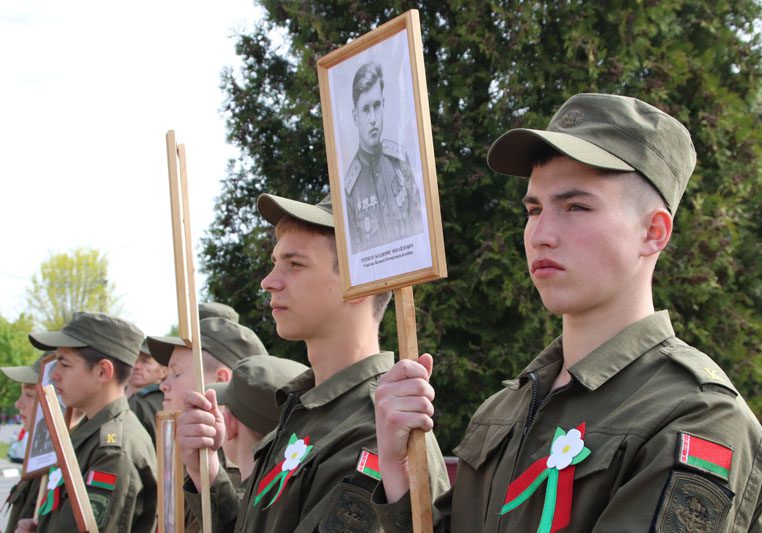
(111,433)
(148,389)
(708,374)
(351,179)
(393,149)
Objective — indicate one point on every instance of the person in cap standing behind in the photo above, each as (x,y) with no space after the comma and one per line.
(250,410)
(306,476)
(95,355)
(147,399)
(223,344)
(617,425)
(22,497)
(217,309)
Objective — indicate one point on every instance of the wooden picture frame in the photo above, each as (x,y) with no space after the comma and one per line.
(67,460)
(381,164)
(40,453)
(171,501)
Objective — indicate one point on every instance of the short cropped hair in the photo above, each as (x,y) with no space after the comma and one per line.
(288,223)
(122,371)
(364,79)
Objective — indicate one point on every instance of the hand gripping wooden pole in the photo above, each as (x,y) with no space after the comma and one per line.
(187,306)
(420,491)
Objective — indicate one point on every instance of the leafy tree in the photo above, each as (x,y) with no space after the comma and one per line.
(492,66)
(15,350)
(71,282)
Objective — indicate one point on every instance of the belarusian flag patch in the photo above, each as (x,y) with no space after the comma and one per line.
(367,464)
(706,456)
(104,480)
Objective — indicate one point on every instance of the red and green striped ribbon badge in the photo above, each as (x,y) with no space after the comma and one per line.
(104,480)
(296,450)
(567,450)
(368,464)
(704,455)
(53,497)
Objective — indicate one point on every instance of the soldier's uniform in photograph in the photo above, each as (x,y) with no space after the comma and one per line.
(382,199)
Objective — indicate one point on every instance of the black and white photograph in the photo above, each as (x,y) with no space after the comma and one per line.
(378,151)
(41,454)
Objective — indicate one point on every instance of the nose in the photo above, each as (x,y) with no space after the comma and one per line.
(164,385)
(272,281)
(54,375)
(540,231)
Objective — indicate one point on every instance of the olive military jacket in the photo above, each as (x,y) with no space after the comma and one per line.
(145,403)
(383,202)
(233,473)
(112,446)
(22,500)
(640,395)
(324,492)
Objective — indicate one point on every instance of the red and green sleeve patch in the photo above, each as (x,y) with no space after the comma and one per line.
(104,480)
(368,464)
(703,455)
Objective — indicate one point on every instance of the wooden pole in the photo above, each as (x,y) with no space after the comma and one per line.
(187,305)
(41,493)
(420,491)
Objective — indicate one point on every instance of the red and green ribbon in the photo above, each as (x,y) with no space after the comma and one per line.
(282,472)
(53,497)
(559,474)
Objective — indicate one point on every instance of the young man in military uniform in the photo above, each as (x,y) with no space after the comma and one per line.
(383,201)
(148,399)
(306,476)
(617,425)
(223,343)
(22,497)
(95,355)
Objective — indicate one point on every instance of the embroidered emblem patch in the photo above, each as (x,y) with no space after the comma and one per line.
(350,511)
(100,504)
(691,502)
(367,464)
(103,480)
(703,455)
(571,118)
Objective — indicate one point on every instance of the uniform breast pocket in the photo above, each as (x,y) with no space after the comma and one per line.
(598,476)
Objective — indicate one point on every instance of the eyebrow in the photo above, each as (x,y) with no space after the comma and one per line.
(289,255)
(559,197)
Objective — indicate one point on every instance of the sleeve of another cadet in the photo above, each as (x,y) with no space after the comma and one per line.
(665,486)
(397,517)
(122,494)
(226,501)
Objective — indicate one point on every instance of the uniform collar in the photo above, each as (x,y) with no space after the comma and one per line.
(336,385)
(88,426)
(368,158)
(153,387)
(609,358)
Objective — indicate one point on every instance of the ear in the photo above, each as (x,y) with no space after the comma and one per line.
(223,375)
(106,370)
(231,424)
(658,230)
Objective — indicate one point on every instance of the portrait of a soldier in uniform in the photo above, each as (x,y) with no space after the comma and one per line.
(382,200)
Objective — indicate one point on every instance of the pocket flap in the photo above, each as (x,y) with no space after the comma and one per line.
(481,441)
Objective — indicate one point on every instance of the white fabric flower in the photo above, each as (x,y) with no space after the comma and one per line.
(294,454)
(564,449)
(54,478)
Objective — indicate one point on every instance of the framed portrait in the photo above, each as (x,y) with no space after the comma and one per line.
(170,467)
(381,160)
(40,453)
(67,460)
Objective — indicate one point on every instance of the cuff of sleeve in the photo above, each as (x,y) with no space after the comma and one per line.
(395,517)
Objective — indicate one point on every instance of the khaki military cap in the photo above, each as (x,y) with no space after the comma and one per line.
(212,309)
(223,339)
(28,375)
(109,335)
(273,208)
(608,132)
(250,394)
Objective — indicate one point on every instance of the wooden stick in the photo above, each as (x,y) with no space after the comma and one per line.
(420,491)
(41,492)
(67,461)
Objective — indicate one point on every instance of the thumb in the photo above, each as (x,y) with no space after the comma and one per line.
(211,395)
(427,362)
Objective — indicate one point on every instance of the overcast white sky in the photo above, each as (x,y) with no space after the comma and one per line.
(87,92)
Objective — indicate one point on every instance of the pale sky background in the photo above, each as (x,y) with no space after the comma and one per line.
(88,91)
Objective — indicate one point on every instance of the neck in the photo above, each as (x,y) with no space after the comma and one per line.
(332,354)
(108,393)
(584,332)
(246,461)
